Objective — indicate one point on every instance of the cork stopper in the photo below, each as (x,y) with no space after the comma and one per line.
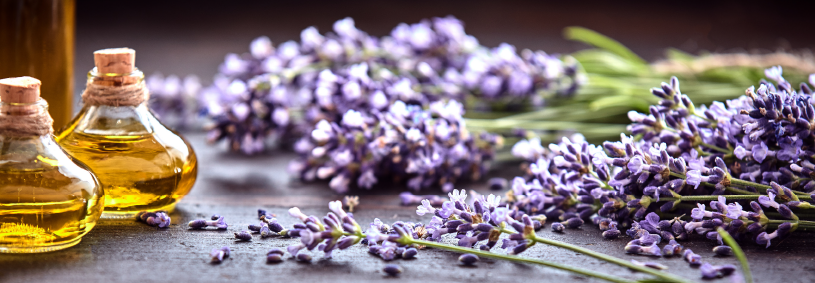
(20,90)
(115,60)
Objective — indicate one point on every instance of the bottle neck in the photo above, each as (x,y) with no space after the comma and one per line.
(115,89)
(115,105)
(25,120)
(26,136)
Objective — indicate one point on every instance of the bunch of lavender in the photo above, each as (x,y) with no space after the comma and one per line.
(259,93)
(403,143)
(754,148)
(173,100)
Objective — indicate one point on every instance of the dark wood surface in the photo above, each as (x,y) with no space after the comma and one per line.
(236,186)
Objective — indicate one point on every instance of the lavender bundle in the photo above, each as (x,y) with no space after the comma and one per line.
(754,151)
(259,94)
(403,143)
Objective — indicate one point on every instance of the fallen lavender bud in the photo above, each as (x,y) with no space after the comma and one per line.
(713,271)
(573,223)
(468,259)
(264,230)
(611,234)
(650,264)
(410,253)
(262,213)
(498,184)
(215,217)
(303,257)
(652,250)
(672,248)
(158,219)
(392,269)
(558,227)
(692,258)
(723,250)
(255,228)
(202,223)
(275,255)
(218,254)
(243,236)
(274,226)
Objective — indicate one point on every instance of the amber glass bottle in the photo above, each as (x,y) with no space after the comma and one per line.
(47,200)
(141,164)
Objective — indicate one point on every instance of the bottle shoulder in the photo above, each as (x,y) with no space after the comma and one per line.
(47,176)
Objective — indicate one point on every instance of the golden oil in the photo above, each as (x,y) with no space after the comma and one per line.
(147,171)
(47,200)
(142,165)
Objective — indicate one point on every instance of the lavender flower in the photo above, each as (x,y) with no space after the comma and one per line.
(692,258)
(468,259)
(723,250)
(392,269)
(243,236)
(202,223)
(710,271)
(159,219)
(275,255)
(219,254)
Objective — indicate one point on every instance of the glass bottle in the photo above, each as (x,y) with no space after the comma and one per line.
(37,39)
(47,200)
(142,165)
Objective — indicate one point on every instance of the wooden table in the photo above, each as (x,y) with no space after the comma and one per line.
(236,186)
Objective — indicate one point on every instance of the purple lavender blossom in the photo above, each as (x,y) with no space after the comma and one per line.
(218,254)
(468,259)
(220,224)
(275,255)
(392,269)
(401,143)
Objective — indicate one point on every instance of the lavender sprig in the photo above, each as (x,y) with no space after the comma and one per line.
(391,241)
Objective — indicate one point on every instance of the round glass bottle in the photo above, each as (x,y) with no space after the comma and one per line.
(47,200)
(142,165)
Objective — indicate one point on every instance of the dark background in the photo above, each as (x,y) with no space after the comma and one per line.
(192,37)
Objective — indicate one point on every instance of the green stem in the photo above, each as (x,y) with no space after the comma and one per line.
(707,198)
(447,247)
(748,183)
(716,148)
(740,182)
(800,222)
(745,266)
(608,258)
